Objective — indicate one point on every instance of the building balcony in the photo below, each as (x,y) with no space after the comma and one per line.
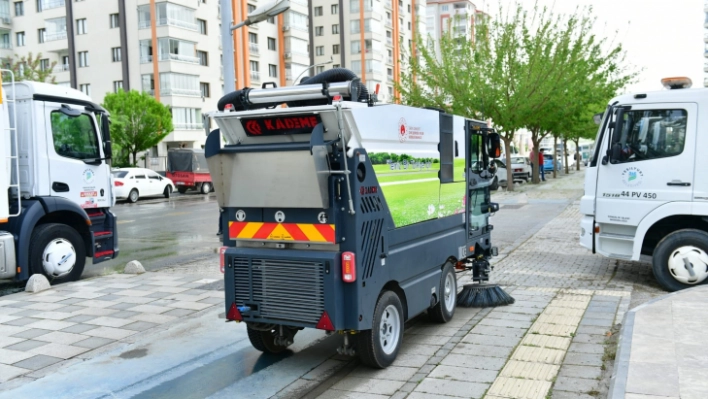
(61,68)
(187,126)
(50,37)
(145,59)
(253,48)
(181,92)
(179,57)
(255,76)
(388,24)
(389,41)
(49,4)
(145,24)
(389,78)
(389,60)
(705,67)
(5,45)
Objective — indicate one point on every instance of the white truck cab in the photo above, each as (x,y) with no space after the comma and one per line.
(645,188)
(55,182)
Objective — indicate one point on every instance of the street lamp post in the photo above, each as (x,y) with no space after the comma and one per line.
(268,10)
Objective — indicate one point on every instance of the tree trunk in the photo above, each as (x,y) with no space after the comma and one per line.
(509,170)
(579,155)
(535,170)
(554,155)
(135,159)
(565,153)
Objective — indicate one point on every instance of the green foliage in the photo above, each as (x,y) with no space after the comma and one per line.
(138,121)
(378,158)
(529,69)
(30,68)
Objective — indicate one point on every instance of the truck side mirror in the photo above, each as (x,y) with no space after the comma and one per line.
(614,150)
(494,145)
(105,128)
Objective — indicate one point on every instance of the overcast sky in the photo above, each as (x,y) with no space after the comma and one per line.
(665,38)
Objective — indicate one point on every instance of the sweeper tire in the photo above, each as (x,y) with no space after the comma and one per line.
(443,311)
(379,346)
(264,341)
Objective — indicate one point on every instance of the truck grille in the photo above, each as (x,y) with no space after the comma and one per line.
(285,290)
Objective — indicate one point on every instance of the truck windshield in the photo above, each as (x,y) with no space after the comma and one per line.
(74,136)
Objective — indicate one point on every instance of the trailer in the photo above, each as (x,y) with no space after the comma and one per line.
(317,236)
(55,182)
(188,169)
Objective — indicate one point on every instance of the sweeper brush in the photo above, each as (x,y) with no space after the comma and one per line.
(483,296)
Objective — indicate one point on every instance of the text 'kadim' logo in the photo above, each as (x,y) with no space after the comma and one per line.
(632,177)
(253,127)
(402,130)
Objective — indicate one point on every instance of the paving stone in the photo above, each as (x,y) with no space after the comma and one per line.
(109,321)
(452,388)
(7,341)
(178,312)
(418,349)
(580,385)
(589,339)
(475,362)
(58,350)
(511,316)
(53,325)
(79,328)
(22,321)
(582,359)
(482,350)
(423,395)
(93,342)
(37,362)
(552,329)
(653,379)
(519,389)
(159,294)
(338,394)
(8,372)
(463,374)
(531,371)
(9,357)
(32,333)
(324,370)
(107,298)
(70,309)
(394,373)
(154,318)
(559,319)
(606,323)
(546,341)
(427,340)
(124,314)
(587,348)
(593,330)
(122,306)
(505,323)
(606,298)
(538,355)
(588,372)
(140,326)
(410,360)
(496,331)
(26,345)
(382,387)
(110,333)
(575,395)
(490,340)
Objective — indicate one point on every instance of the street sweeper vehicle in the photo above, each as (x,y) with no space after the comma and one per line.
(55,182)
(645,192)
(318,236)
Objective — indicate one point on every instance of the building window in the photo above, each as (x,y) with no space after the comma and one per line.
(83,59)
(409,8)
(255,74)
(81,26)
(335,49)
(318,11)
(409,26)
(271,44)
(335,29)
(272,71)
(251,8)
(202,26)
(117,85)
(20,38)
(115,51)
(187,118)
(203,57)
(115,22)
(335,66)
(85,88)
(41,35)
(320,69)
(204,88)
(271,20)
(356,47)
(335,9)
(319,30)
(44,64)
(254,66)
(319,50)
(19,8)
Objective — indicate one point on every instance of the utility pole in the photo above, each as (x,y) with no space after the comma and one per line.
(227,46)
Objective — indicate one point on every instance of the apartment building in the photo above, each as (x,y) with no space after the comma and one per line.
(101,46)
(454,17)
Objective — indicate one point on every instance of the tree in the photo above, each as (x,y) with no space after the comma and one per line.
(526,69)
(138,121)
(32,68)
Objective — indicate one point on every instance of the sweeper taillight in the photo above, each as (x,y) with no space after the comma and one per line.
(348,267)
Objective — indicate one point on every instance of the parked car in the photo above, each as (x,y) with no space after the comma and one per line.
(521,168)
(500,176)
(133,183)
(548,163)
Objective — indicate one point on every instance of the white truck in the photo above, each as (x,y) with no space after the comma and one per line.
(55,182)
(644,189)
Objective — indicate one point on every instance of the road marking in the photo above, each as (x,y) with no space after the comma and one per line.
(125,221)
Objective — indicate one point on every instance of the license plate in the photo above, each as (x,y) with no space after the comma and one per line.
(180,183)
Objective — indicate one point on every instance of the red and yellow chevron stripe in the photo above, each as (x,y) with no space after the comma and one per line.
(306,232)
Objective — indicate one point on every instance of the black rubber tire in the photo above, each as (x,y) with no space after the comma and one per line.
(370,353)
(440,313)
(495,184)
(130,196)
(168,191)
(205,188)
(666,246)
(264,341)
(42,236)
(182,190)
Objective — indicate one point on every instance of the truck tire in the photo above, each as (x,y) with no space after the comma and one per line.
(57,251)
(379,346)
(675,253)
(206,188)
(443,311)
(182,190)
(133,196)
(264,341)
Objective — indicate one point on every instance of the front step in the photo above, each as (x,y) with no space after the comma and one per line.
(103,230)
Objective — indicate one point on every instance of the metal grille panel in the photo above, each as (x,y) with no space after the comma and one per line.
(370,244)
(286,290)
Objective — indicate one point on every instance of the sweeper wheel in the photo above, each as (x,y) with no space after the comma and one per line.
(379,346)
(443,311)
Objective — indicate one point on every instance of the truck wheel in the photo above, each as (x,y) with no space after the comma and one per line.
(264,341)
(206,187)
(182,190)
(133,196)
(680,260)
(57,251)
(495,184)
(379,346)
(168,191)
(443,311)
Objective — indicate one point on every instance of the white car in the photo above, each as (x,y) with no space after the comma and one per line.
(500,176)
(133,183)
(521,168)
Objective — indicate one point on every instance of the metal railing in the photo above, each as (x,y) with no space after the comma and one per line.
(5,45)
(61,68)
(49,4)
(255,76)
(253,47)
(145,59)
(181,92)
(188,126)
(178,57)
(50,37)
(178,22)
(389,41)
